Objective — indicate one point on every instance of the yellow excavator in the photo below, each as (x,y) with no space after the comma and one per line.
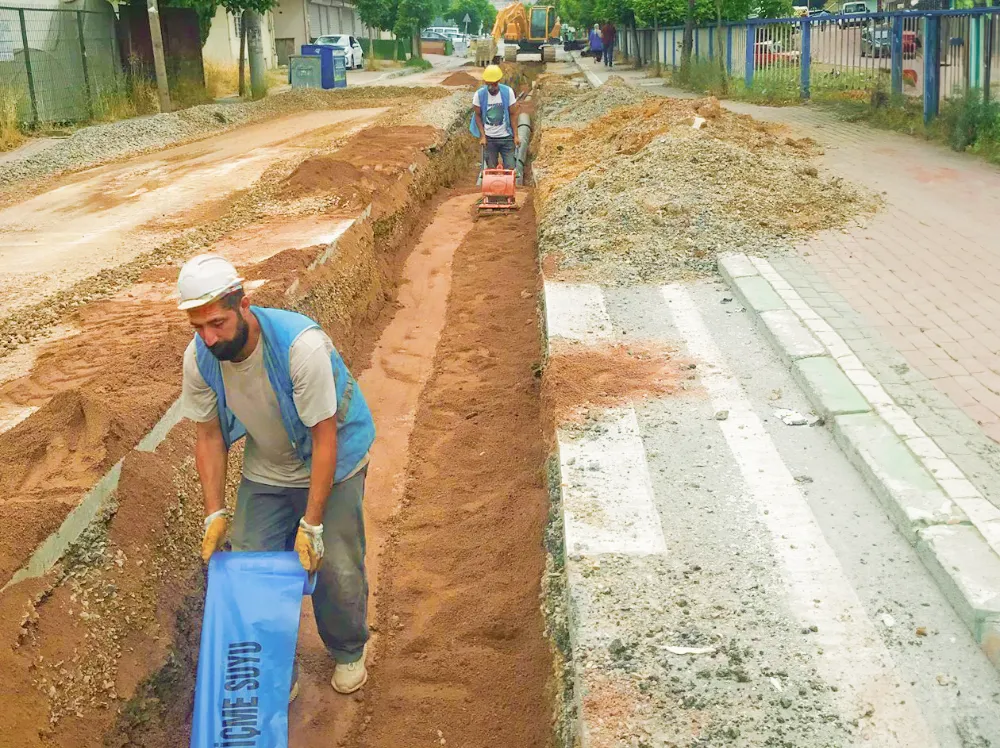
(530,28)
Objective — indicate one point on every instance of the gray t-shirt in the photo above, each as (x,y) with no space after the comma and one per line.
(269,457)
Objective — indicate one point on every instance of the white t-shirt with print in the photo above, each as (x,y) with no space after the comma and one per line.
(493,116)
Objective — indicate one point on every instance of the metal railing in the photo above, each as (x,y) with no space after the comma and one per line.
(57,65)
(932,55)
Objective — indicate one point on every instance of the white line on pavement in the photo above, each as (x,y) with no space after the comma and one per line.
(819,594)
(576,312)
(607,492)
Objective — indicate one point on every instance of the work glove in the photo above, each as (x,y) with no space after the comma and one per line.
(309,545)
(216,525)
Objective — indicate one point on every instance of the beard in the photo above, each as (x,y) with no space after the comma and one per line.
(227,350)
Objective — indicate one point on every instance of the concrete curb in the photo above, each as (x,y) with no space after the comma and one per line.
(955,529)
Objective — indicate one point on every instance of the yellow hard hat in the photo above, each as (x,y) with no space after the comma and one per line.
(492,74)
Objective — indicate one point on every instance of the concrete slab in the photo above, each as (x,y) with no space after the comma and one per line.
(828,388)
(789,336)
(757,294)
(907,491)
(736,266)
(968,571)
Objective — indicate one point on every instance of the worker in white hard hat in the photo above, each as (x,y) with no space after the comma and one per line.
(275,376)
(494,107)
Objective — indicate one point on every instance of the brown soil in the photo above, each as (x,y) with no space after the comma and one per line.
(461,78)
(580,377)
(462,655)
(367,167)
(106,654)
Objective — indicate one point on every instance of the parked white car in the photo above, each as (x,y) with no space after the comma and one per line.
(354,56)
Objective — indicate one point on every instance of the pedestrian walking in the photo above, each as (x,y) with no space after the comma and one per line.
(275,377)
(596,45)
(609,35)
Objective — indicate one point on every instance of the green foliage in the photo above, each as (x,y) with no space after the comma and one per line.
(585,13)
(413,15)
(480,11)
(377,14)
(419,63)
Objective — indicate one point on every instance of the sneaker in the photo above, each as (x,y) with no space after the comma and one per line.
(348,677)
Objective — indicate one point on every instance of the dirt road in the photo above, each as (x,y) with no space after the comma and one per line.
(106,216)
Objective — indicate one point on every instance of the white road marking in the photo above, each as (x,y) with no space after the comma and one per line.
(576,312)
(607,492)
(849,649)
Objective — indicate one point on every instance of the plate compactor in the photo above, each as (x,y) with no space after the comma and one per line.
(498,191)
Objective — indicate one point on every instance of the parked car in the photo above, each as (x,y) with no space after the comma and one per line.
(819,13)
(876,41)
(354,56)
(433,36)
(769,53)
(852,9)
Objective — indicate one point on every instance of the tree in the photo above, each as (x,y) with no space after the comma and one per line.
(376,14)
(249,12)
(654,12)
(479,12)
(413,15)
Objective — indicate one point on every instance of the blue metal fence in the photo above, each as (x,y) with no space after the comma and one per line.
(933,55)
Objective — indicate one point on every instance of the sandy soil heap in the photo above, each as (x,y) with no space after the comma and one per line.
(656,189)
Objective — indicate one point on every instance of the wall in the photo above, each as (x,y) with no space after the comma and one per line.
(223,43)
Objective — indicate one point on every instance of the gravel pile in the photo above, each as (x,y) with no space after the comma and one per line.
(442,113)
(107,142)
(670,209)
(571,108)
(639,195)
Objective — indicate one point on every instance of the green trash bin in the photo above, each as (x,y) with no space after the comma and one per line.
(305,71)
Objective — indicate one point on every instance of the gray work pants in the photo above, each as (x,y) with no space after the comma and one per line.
(267,518)
(497,148)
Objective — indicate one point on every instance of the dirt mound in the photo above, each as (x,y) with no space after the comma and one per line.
(461,78)
(363,169)
(321,175)
(581,377)
(678,195)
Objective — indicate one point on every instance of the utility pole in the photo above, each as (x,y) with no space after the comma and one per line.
(255,47)
(159,65)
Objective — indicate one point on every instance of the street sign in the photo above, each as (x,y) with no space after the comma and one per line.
(467,19)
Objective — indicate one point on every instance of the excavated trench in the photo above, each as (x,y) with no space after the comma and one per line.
(436,313)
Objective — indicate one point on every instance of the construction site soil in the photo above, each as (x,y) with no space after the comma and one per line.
(689,180)
(463,657)
(461,78)
(102,648)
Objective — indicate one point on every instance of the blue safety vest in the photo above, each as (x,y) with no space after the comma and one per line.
(279,329)
(482,96)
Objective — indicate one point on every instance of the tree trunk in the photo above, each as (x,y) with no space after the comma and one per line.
(638,50)
(255,54)
(372,65)
(720,50)
(687,47)
(415,37)
(243,53)
(159,63)
(656,45)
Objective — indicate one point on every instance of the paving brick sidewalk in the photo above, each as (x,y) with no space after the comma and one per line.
(925,271)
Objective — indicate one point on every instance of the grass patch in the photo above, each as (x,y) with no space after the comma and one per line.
(221,79)
(124,96)
(418,63)
(11,134)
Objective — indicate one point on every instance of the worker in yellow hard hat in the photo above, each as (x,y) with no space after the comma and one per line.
(494,112)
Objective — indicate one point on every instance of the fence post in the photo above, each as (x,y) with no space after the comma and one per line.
(673,48)
(83,60)
(896,56)
(804,56)
(932,69)
(729,50)
(988,55)
(711,44)
(27,67)
(974,59)
(751,39)
(696,35)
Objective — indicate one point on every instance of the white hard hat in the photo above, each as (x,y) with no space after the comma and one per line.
(205,278)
